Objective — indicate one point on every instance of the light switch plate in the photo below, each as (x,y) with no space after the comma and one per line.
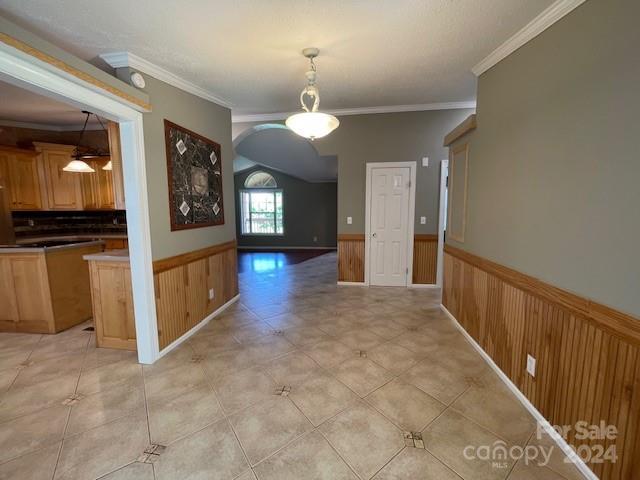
(425,161)
(349,220)
(423,220)
(211,294)
(531,365)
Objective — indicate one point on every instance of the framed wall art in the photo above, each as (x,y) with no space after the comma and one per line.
(194,170)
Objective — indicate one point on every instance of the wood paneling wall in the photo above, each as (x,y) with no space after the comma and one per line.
(351,257)
(588,365)
(425,258)
(182,286)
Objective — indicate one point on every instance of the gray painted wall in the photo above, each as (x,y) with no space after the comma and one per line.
(310,209)
(194,113)
(205,118)
(387,137)
(553,167)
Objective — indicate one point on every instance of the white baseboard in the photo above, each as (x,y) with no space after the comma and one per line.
(191,332)
(423,285)
(352,284)
(564,446)
(287,248)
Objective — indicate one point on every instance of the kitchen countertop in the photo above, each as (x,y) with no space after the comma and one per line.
(73,236)
(109,256)
(55,248)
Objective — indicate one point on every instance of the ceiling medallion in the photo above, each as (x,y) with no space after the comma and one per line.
(311,123)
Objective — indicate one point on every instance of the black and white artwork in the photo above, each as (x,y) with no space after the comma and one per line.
(194,168)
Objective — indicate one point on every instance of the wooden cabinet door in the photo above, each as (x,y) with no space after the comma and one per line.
(63,188)
(24,181)
(105,187)
(113,305)
(89,188)
(113,129)
(97,187)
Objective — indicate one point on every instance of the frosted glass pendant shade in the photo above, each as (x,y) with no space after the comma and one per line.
(78,166)
(312,125)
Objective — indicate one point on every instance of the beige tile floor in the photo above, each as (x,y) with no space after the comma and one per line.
(360,366)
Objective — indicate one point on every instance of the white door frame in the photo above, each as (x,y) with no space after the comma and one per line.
(444,173)
(410,221)
(28,72)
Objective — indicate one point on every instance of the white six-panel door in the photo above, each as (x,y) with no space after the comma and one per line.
(389,217)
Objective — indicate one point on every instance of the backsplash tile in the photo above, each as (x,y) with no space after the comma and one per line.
(53,223)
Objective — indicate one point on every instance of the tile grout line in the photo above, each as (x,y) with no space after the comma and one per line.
(338,453)
(66,424)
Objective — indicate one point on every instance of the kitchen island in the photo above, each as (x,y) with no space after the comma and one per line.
(44,286)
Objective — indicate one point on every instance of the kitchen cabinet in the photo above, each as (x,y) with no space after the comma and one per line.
(97,187)
(36,179)
(45,290)
(21,169)
(113,130)
(62,188)
(115,243)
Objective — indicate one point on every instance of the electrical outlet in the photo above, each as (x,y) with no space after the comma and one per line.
(315,239)
(423,220)
(349,220)
(425,161)
(531,365)
(211,294)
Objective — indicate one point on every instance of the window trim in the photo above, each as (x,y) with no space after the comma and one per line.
(252,174)
(261,190)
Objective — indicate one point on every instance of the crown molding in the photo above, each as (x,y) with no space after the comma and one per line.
(265,117)
(127,59)
(535,27)
(48,127)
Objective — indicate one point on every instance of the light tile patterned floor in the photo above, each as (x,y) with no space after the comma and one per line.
(354,369)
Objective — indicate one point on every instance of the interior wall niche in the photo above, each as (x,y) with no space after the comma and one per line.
(458,165)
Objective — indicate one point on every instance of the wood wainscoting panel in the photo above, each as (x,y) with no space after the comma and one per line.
(351,257)
(182,285)
(587,355)
(425,258)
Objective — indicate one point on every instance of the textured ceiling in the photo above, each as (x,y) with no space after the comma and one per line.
(19,105)
(247,52)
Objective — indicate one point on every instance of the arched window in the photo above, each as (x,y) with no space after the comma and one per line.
(261,205)
(260,179)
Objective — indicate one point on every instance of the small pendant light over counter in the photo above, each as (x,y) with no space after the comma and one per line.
(78,165)
(311,123)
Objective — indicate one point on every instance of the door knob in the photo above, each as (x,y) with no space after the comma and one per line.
(374,235)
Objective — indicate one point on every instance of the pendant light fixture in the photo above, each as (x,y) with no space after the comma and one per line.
(81,153)
(311,123)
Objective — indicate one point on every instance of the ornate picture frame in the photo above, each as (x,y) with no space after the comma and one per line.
(194,174)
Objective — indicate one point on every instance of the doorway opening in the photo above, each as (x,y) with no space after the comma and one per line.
(442,218)
(49,80)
